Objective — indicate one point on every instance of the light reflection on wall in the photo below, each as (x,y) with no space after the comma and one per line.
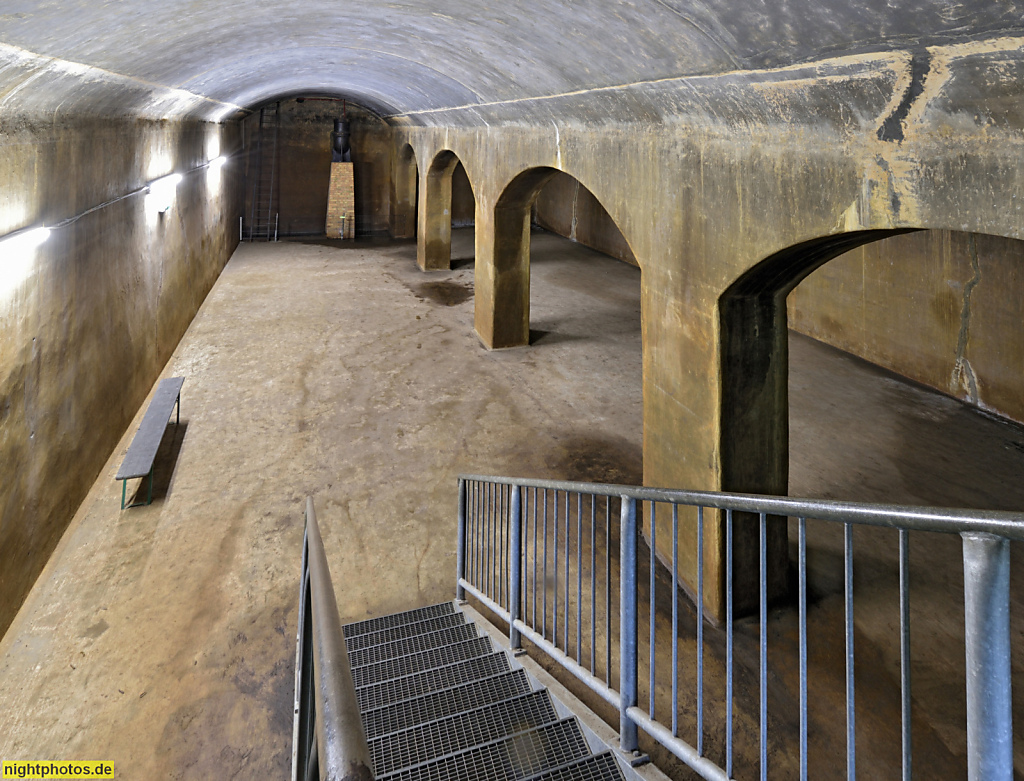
(160,197)
(213,172)
(18,254)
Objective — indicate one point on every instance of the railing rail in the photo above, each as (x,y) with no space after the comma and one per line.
(328,737)
(535,552)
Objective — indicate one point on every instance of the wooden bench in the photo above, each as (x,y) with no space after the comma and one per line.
(138,461)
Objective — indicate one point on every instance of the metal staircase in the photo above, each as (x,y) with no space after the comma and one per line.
(263,205)
(438,701)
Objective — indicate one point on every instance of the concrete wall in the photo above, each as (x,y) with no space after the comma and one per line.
(944,308)
(733,191)
(566,207)
(304,149)
(89,319)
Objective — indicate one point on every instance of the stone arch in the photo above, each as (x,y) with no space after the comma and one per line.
(502,313)
(754,361)
(404,193)
(434,223)
(754,403)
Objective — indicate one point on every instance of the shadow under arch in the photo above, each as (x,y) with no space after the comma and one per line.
(404,193)
(434,221)
(503,283)
(754,403)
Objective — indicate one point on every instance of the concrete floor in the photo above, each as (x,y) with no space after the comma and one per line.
(162,637)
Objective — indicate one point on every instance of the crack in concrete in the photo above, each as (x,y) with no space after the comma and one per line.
(892,128)
(963,375)
(894,197)
(575,217)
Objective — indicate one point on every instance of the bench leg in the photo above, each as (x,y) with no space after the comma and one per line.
(149,496)
(177,411)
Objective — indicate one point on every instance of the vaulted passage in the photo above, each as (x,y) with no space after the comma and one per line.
(605,242)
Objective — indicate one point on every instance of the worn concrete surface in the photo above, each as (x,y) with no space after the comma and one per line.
(715,136)
(728,190)
(162,637)
(941,307)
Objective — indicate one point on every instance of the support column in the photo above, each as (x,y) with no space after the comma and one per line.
(434,226)
(716,418)
(402,217)
(682,402)
(502,276)
(755,435)
(716,405)
(341,202)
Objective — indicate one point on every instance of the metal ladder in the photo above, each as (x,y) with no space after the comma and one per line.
(264,205)
(439,701)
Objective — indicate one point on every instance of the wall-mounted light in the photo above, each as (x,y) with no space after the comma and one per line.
(17,253)
(217,162)
(161,192)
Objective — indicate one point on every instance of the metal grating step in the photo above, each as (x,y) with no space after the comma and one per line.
(411,645)
(397,619)
(426,660)
(601,767)
(386,692)
(435,739)
(447,702)
(508,759)
(405,630)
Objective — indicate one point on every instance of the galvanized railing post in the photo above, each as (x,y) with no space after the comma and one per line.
(460,549)
(340,739)
(515,568)
(628,625)
(987,637)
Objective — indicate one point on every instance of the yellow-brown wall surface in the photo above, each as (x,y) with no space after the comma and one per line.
(944,308)
(568,208)
(97,310)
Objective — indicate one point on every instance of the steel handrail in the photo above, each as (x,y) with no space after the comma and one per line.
(342,753)
(949,520)
(494,550)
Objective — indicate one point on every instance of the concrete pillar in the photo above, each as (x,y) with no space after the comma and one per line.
(716,406)
(717,420)
(501,276)
(682,384)
(402,217)
(502,271)
(434,224)
(754,434)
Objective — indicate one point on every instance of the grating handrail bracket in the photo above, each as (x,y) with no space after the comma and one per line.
(328,738)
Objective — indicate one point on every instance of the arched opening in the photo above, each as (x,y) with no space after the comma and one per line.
(445,186)
(585,306)
(754,422)
(405,178)
(905,309)
(502,279)
(564,206)
(503,283)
